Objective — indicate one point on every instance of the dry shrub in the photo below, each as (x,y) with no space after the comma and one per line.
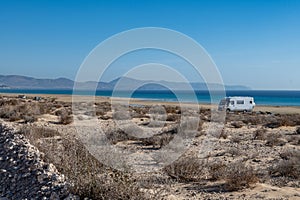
(173,117)
(298,130)
(260,134)
(190,124)
(289,120)
(223,134)
(117,135)
(140,109)
(274,139)
(10,113)
(272,125)
(155,124)
(35,133)
(236,175)
(290,154)
(216,170)
(14,110)
(158,140)
(294,139)
(186,169)
(161,139)
(289,166)
(65,117)
(234,151)
(102,108)
(236,139)
(104,117)
(205,114)
(100,112)
(121,115)
(29,118)
(237,124)
(24,112)
(173,109)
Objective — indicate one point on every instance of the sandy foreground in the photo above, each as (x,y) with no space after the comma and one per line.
(69,98)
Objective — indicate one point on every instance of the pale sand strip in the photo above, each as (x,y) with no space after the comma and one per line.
(68,98)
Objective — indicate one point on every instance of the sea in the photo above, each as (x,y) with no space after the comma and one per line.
(261,97)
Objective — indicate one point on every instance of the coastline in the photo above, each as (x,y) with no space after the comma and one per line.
(68,98)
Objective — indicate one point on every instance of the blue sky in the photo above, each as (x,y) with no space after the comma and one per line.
(254,43)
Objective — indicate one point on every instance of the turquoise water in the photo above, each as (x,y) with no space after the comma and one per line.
(274,98)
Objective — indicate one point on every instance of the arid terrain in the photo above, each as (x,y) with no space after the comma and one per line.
(247,156)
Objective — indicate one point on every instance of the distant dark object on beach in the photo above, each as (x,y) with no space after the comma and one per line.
(22,96)
(298,130)
(37,98)
(273,125)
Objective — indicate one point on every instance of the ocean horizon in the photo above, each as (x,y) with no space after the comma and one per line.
(261,97)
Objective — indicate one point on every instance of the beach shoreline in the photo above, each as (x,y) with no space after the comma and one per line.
(69,98)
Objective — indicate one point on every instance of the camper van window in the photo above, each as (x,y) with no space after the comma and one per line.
(240,102)
(250,102)
(232,102)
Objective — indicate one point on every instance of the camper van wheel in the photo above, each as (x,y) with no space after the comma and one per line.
(227,110)
(245,111)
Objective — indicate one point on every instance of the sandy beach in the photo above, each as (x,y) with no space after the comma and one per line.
(68,98)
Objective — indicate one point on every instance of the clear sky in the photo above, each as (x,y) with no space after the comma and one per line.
(254,43)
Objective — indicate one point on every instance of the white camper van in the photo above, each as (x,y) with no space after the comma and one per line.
(245,104)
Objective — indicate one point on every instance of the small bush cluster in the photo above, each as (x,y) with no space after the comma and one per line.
(274,139)
(216,170)
(288,166)
(121,115)
(173,117)
(158,140)
(237,124)
(294,139)
(236,175)
(186,169)
(65,117)
(15,110)
(239,176)
(35,133)
(298,130)
(260,134)
(26,111)
(117,135)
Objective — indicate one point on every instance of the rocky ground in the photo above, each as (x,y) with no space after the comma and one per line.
(44,155)
(24,174)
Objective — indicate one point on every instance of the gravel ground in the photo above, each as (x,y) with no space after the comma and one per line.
(24,175)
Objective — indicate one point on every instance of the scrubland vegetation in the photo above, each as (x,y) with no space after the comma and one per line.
(252,148)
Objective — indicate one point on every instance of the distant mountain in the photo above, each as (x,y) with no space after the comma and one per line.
(124,83)
(4,87)
(23,82)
